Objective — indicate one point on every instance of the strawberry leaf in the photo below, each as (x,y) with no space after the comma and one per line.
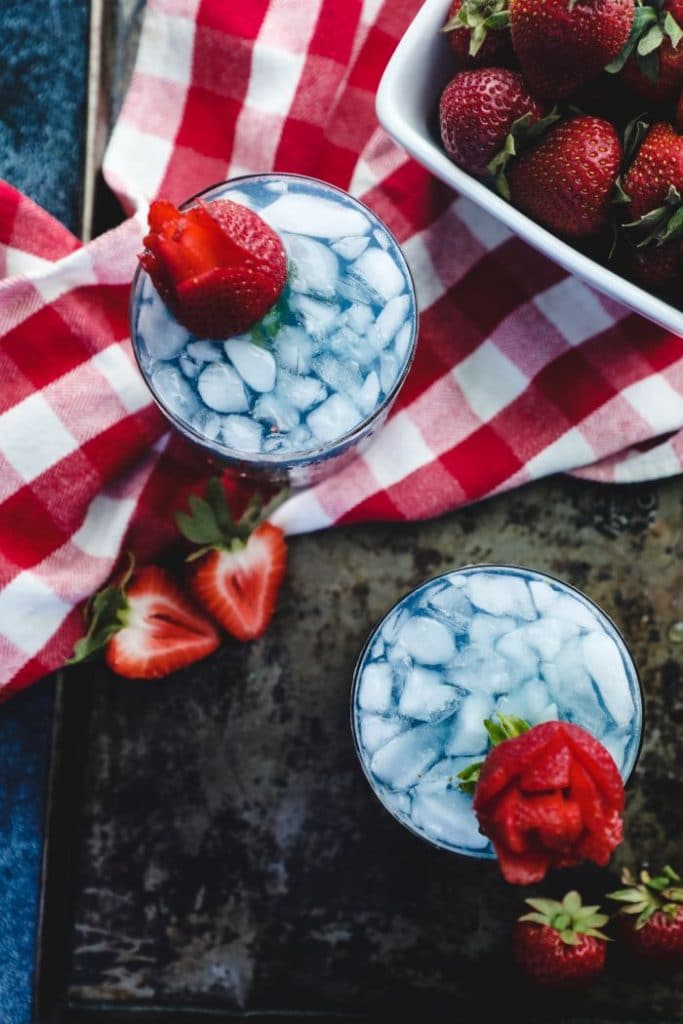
(107,613)
(200,525)
(650,41)
(644,17)
(672,29)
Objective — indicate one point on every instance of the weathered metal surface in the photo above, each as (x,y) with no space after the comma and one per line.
(230,853)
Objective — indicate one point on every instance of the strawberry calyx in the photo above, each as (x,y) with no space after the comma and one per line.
(211,524)
(479,16)
(648,894)
(507,727)
(651,26)
(660,225)
(567,917)
(524,132)
(107,612)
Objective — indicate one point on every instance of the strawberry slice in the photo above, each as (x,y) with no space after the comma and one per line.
(147,627)
(218,266)
(240,565)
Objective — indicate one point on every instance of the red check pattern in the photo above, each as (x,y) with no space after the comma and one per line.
(521,370)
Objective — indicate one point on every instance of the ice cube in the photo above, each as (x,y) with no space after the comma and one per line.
(381,238)
(522,660)
(163,336)
(392,317)
(376,683)
(427,640)
(547,636)
(338,375)
(351,347)
(236,196)
(255,365)
(571,608)
(379,272)
(300,439)
(294,349)
(208,423)
(242,434)
(388,371)
(490,674)
(174,391)
(274,444)
(486,629)
(188,366)
(205,351)
(277,414)
(604,663)
(426,697)
(402,342)
(617,743)
(334,418)
(468,734)
(315,216)
(314,268)
(401,762)
(359,316)
(527,701)
(375,731)
(443,775)
(318,318)
(500,595)
(576,696)
(398,803)
(301,392)
(356,291)
(447,817)
(350,248)
(393,625)
(378,648)
(222,389)
(454,606)
(368,396)
(543,595)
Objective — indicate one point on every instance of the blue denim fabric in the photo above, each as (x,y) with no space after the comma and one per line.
(42,95)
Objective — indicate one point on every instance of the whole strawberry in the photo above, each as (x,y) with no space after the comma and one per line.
(654,66)
(477,111)
(651,917)
(478,32)
(566,181)
(652,194)
(561,44)
(218,266)
(560,945)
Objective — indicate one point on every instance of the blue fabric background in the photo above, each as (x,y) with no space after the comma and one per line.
(42,95)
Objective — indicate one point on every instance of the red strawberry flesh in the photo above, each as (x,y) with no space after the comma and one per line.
(218,266)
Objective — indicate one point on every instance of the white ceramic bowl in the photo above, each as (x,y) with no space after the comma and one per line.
(407,99)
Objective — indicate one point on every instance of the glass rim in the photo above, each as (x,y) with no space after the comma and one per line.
(282,460)
(484,567)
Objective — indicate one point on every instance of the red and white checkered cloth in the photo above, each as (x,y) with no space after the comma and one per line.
(521,370)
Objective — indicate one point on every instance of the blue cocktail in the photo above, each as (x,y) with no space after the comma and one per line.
(295,396)
(458,649)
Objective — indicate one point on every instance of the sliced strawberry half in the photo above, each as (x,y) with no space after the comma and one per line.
(147,627)
(240,565)
(218,266)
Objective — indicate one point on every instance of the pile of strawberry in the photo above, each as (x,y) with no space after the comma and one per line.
(149,624)
(572,109)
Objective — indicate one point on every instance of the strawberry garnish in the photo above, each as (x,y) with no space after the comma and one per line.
(218,266)
(560,944)
(651,916)
(652,59)
(146,626)
(239,565)
(550,796)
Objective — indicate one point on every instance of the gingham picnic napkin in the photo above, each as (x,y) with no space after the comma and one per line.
(521,370)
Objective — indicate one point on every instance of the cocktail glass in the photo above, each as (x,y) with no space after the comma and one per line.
(463,646)
(297,396)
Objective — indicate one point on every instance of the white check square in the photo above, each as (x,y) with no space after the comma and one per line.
(123,378)
(398,434)
(274,77)
(489,380)
(33,438)
(30,612)
(657,402)
(104,526)
(166,46)
(574,310)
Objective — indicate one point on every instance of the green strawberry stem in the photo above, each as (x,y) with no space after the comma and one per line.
(648,894)
(523,133)
(210,522)
(506,728)
(651,26)
(107,611)
(479,16)
(568,917)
